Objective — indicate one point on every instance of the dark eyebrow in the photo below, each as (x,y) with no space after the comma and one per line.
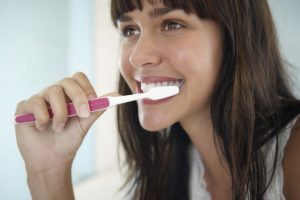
(156,12)
(124,18)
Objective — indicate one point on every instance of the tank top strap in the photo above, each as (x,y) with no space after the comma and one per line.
(197,187)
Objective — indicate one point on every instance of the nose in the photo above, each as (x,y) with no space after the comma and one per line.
(145,52)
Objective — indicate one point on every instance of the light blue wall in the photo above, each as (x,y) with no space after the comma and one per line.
(40,43)
(80,58)
(287,18)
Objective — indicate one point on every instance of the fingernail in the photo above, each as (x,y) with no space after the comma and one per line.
(60,127)
(84,111)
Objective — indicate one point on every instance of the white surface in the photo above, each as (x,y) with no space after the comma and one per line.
(102,186)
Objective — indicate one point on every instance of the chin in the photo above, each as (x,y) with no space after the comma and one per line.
(153,120)
(154,125)
(151,128)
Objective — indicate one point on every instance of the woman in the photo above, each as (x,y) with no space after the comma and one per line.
(231,132)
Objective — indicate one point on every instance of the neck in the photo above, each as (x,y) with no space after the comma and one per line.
(200,130)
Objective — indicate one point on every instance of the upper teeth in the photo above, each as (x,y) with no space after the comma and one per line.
(147,86)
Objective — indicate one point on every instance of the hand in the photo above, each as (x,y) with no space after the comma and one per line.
(48,144)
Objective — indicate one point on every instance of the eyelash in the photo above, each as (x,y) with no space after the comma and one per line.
(128,30)
(168,25)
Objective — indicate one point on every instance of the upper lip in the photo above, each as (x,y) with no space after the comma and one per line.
(156,79)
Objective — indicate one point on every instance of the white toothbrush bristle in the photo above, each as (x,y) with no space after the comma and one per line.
(162,92)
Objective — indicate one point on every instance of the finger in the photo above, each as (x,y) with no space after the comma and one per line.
(86,123)
(85,84)
(20,109)
(77,95)
(38,106)
(56,98)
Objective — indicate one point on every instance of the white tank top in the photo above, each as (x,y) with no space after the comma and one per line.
(198,189)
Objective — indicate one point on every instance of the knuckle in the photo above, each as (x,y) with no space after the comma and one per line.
(56,89)
(79,75)
(38,106)
(53,89)
(36,101)
(66,81)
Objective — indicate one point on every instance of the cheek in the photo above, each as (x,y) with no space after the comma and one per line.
(200,60)
(204,69)
(195,63)
(199,63)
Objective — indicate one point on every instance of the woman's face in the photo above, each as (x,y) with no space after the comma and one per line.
(163,46)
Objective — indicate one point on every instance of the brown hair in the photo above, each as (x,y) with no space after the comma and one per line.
(251,105)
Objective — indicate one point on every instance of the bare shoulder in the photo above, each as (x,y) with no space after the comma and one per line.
(291,164)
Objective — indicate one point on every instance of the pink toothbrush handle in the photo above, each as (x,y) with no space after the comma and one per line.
(95,105)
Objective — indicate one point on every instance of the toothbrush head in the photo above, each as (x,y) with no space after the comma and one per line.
(162,92)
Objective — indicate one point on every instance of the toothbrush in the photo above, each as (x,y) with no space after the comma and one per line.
(101,103)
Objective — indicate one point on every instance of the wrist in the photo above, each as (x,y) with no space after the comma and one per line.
(55,183)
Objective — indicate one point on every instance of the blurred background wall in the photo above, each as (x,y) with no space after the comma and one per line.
(43,41)
(287,18)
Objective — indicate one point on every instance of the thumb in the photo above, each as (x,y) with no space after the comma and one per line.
(86,123)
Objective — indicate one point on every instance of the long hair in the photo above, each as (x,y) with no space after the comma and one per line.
(251,105)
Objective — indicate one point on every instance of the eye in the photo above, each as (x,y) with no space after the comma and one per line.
(171,25)
(129,31)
